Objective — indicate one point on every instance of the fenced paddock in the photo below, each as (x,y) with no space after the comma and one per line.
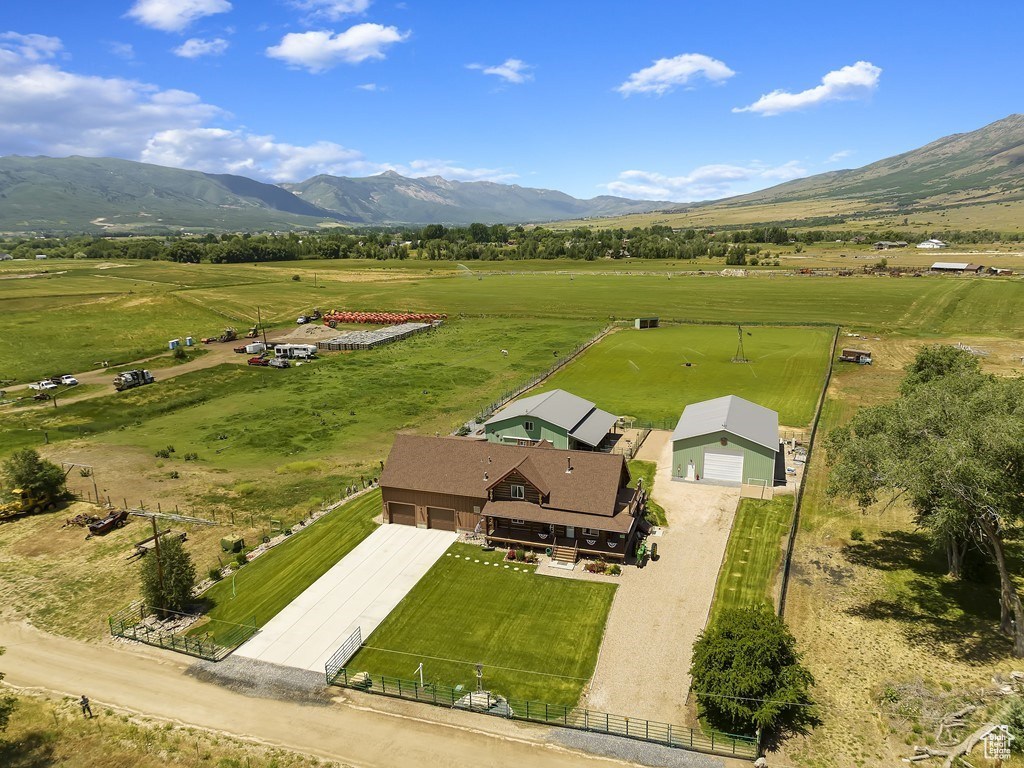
(577,718)
(129,623)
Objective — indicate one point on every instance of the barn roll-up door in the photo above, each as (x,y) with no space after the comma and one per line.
(723,467)
(402,514)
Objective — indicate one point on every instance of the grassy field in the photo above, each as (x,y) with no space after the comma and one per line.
(537,636)
(46,732)
(752,557)
(646,470)
(652,375)
(262,588)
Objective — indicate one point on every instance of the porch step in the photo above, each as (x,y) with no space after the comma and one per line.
(563,554)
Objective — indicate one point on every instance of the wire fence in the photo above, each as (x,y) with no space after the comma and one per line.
(489,409)
(483,702)
(129,623)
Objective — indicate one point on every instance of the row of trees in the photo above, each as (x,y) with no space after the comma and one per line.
(475,242)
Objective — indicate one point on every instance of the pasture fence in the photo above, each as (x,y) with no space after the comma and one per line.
(509,395)
(130,623)
(559,715)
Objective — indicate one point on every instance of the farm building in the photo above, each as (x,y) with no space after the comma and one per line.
(727,440)
(571,502)
(958,267)
(885,245)
(563,419)
(642,323)
(931,243)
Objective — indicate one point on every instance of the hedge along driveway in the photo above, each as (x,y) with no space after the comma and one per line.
(270,582)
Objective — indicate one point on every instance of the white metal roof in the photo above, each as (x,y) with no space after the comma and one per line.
(950,265)
(580,418)
(732,414)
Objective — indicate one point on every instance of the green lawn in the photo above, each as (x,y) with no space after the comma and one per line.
(753,554)
(644,373)
(537,636)
(646,470)
(267,584)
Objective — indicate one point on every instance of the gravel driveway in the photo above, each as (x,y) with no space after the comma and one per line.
(658,611)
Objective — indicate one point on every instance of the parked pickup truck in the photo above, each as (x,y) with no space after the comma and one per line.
(41,385)
(68,380)
(258,361)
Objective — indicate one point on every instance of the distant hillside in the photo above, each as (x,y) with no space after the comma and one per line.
(81,194)
(965,181)
(390,198)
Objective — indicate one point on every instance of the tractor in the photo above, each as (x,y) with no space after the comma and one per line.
(253,332)
(23,504)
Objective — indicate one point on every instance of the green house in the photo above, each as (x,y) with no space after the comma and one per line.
(727,441)
(559,417)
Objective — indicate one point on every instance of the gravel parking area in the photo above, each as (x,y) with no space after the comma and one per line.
(643,668)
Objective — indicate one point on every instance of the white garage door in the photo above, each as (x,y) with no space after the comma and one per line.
(724,467)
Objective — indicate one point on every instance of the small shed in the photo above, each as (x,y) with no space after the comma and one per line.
(726,441)
(646,322)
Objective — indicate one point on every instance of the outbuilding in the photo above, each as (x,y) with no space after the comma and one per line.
(727,441)
(558,417)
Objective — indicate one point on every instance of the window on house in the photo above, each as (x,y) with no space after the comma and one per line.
(528,426)
(591,532)
(517,521)
(518,491)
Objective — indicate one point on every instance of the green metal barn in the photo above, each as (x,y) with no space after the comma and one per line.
(726,441)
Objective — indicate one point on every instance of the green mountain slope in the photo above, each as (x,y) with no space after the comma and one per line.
(81,194)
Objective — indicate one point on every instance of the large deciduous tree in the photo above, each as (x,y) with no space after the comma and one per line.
(747,674)
(167,580)
(27,470)
(953,447)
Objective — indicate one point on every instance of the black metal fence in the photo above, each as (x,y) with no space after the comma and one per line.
(129,623)
(341,656)
(679,736)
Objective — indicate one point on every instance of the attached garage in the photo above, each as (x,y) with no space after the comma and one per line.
(402,514)
(728,441)
(441,519)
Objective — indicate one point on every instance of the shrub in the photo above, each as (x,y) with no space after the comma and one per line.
(170,449)
(614,570)
(1014,719)
(173,474)
(520,555)
(215,574)
(463,431)
(296,278)
(240,559)
(180,353)
(191,456)
(857,534)
(511,555)
(163,453)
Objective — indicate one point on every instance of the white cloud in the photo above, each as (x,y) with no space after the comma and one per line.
(195,47)
(704,183)
(369,87)
(322,49)
(219,150)
(16,48)
(332,9)
(49,111)
(665,74)
(175,15)
(511,71)
(447,169)
(124,51)
(835,157)
(851,82)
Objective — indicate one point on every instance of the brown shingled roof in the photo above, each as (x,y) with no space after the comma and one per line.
(467,467)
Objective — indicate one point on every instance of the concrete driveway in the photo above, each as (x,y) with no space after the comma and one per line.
(659,610)
(359,591)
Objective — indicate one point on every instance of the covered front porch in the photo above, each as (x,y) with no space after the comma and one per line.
(566,541)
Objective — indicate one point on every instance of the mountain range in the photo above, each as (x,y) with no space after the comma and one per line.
(82,194)
(983,169)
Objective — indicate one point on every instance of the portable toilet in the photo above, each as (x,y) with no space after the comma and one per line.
(188,341)
(173,343)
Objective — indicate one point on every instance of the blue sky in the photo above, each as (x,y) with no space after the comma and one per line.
(664,100)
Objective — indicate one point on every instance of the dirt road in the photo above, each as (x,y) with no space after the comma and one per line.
(152,682)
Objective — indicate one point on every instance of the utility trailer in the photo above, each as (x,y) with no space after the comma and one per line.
(132,379)
(860,356)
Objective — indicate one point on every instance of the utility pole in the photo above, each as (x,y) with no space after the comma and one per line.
(259,320)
